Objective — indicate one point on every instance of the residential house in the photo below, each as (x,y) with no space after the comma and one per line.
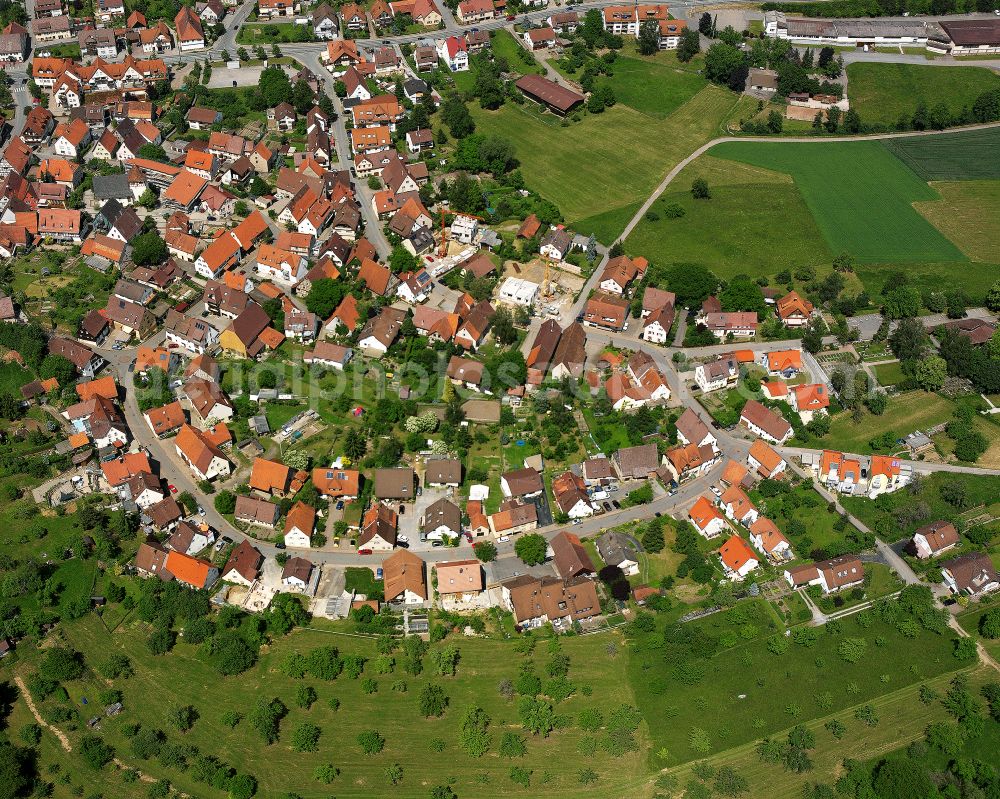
(768,540)
(378,529)
(837,574)
(737,558)
(243,565)
(809,400)
(569,557)
(617,549)
(793,310)
(395,484)
(933,539)
(190,540)
(738,507)
(535,601)
(300,524)
(738,324)
(763,460)
(297,574)
(570,493)
(270,477)
(636,463)
(404,578)
(461,579)
(442,519)
(692,430)
(443,473)
(192,572)
(765,423)
(721,373)
(204,458)
(522,483)
(255,511)
(971,575)
(337,483)
(706,518)
(606,311)
(782,363)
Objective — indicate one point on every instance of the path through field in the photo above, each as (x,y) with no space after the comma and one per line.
(63,740)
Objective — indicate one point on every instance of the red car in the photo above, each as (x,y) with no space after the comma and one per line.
(511,17)
(364,552)
(173,488)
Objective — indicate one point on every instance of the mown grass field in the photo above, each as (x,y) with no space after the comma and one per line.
(881,93)
(586,171)
(889,374)
(968,213)
(183,677)
(913,410)
(903,718)
(654,87)
(860,196)
(964,155)
(738,229)
(745,691)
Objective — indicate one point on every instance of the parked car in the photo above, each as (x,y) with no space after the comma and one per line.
(172,487)
(511,17)
(657,514)
(340,504)
(617,504)
(378,573)
(576,522)
(437,543)
(504,539)
(201,511)
(607,505)
(279,545)
(403,538)
(402,509)
(364,552)
(402,544)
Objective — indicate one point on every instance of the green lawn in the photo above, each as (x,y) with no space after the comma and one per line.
(905,413)
(279,32)
(756,222)
(608,161)
(503,45)
(736,690)
(810,513)
(882,93)
(656,88)
(12,377)
(969,619)
(860,196)
(964,155)
(881,514)
(183,677)
(889,374)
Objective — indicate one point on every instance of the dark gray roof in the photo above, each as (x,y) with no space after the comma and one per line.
(108,187)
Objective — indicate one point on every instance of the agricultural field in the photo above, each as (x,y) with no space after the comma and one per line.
(580,168)
(968,213)
(734,231)
(860,196)
(732,678)
(882,93)
(427,750)
(965,155)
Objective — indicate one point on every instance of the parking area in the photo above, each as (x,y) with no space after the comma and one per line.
(226,78)
(409,522)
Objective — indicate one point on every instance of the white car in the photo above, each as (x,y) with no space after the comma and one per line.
(716,491)
(405,539)
(504,539)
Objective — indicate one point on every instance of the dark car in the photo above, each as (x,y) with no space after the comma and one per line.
(616,504)
(279,545)
(657,514)
(402,509)
(402,544)
(607,506)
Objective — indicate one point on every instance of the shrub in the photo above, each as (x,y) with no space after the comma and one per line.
(306,738)
(371,742)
